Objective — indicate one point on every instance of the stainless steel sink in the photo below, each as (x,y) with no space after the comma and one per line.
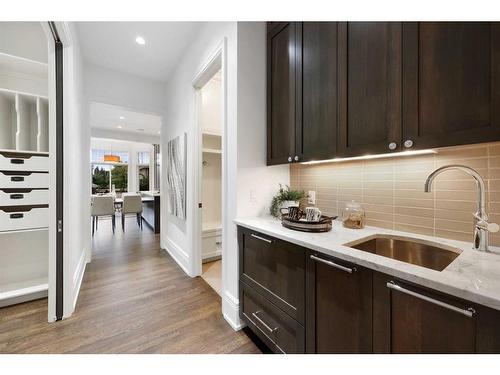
(409,250)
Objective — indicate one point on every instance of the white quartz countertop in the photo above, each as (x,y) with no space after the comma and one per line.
(473,275)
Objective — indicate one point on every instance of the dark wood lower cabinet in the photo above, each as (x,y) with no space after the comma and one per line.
(280,332)
(410,319)
(338,307)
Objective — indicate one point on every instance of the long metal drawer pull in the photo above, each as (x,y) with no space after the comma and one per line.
(272,330)
(469,312)
(332,264)
(261,238)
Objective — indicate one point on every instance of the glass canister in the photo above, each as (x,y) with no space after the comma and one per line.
(353,216)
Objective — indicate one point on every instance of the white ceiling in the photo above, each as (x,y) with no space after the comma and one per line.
(106,116)
(112,44)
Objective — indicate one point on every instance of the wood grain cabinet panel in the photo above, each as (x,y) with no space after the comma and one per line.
(280,332)
(274,268)
(281,92)
(339,306)
(369,59)
(316,128)
(406,323)
(451,74)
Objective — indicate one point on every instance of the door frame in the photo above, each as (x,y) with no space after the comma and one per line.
(215,62)
(56,37)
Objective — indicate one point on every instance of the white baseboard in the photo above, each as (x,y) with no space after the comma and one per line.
(78,276)
(211,254)
(179,255)
(231,311)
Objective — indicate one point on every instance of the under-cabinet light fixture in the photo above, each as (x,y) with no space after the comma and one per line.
(140,40)
(377,156)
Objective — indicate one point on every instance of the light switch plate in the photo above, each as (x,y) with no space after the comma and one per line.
(311,197)
(253,196)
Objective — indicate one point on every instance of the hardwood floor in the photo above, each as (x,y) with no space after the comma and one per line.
(134,299)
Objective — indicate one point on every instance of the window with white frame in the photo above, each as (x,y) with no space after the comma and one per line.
(143,175)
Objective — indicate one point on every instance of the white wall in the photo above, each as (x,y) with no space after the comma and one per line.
(125,136)
(76,169)
(132,148)
(24,39)
(246,144)
(177,235)
(108,86)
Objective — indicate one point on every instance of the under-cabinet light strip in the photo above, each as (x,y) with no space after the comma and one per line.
(377,156)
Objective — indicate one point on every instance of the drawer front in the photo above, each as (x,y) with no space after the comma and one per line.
(23,180)
(18,197)
(280,332)
(25,217)
(13,161)
(211,246)
(276,269)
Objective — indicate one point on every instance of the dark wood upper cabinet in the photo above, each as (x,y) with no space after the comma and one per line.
(369,59)
(355,88)
(281,92)
(316,127)
(451,90)
(339,306)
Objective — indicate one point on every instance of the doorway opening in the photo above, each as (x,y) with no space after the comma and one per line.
(31,180)
(209,227)
(124,173)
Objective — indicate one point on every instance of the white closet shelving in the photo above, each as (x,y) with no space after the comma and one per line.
(212,168)
(24,179)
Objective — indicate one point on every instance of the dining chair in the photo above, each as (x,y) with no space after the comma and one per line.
(132,204)
(102,206)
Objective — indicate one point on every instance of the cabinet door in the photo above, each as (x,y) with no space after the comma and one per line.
(410,319)
(317,116)
(451,83)
(369,87)
(339,306)
(281,81)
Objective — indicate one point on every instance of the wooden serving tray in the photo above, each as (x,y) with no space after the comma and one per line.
(323,225)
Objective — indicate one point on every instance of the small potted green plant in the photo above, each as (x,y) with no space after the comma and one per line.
(285,198)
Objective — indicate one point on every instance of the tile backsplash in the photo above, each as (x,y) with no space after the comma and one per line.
(391,190)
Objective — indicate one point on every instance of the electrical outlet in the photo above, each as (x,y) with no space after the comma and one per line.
(311,197)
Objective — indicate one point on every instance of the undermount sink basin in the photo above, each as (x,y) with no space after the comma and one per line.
(409,250)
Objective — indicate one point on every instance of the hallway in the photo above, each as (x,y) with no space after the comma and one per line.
(134,299)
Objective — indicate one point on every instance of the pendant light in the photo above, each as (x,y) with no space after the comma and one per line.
(111,158)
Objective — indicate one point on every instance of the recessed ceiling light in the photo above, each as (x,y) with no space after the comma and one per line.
(122,118)
(159,132)
(140,40)
(119,126)
(140,129)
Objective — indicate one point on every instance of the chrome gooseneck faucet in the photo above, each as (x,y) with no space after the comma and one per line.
(481,225)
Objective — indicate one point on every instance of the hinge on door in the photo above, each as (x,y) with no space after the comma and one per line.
(59,226)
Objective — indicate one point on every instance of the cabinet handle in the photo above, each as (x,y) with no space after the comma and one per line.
(332,264)
(261,238)
(408,143)
(16,161)
(289,159)
(272,330)
(392,146)
(469,312)
(296,158)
